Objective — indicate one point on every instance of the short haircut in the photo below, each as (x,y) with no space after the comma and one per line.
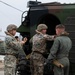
(61,26)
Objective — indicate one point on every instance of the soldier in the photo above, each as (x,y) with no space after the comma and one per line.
(38,49)
(12,48)
(60,51)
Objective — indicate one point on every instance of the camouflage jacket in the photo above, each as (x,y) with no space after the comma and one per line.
(12,46)
(39,42)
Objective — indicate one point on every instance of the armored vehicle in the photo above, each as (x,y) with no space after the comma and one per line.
(50,14)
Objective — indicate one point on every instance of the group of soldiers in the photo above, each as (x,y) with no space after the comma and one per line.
(58,56)
(59,51)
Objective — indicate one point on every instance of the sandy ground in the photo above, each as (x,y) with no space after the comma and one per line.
(1,65)
(1,68)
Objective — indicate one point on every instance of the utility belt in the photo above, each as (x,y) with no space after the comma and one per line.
(38,52)
(9,54)
(13,54)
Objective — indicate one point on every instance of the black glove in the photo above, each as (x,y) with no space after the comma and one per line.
(48,65)
(46,62)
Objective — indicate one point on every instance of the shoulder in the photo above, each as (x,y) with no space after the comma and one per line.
(8,38)
(37,35)
(61,37)
(58,38)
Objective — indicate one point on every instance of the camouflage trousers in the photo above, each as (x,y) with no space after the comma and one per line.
(9,65)
(36,64)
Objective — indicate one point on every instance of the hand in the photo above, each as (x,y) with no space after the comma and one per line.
(55,36)
(58,64)
(46,62)
(24,41)
(38,32)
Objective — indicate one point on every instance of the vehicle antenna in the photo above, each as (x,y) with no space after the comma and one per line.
(36,0)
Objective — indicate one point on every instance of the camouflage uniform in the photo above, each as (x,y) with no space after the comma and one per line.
(38,48)
(60,51)
(12,47)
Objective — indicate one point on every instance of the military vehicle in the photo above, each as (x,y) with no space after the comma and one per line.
(50,14)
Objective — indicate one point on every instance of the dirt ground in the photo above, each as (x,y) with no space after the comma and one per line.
(1,65)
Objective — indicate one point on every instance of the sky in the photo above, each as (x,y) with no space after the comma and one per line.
(9,15)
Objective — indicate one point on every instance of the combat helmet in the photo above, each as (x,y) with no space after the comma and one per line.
(11,27)
(41,27)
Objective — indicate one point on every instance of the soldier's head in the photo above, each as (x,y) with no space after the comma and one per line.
(59,29)
(12,29)
(42,28)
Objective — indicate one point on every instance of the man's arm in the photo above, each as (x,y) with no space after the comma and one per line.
(46,36)
(54,49)
(12,44)
(49,37)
